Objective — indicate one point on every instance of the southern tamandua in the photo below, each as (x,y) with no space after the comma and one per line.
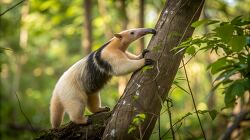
(79,85)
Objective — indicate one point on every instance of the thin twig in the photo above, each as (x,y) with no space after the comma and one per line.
(178,121)
(11,7)
(170,120)
(192,95)
(159,127)
(140,131)
(148,126)
(181,88)
(27,119)
(188,60)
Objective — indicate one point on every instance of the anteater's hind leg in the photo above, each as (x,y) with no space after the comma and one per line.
(94,103)
(75,108)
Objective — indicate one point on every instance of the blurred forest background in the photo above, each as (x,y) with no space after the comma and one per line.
(40,39)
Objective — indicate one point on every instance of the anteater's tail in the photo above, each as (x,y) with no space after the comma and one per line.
(56,111)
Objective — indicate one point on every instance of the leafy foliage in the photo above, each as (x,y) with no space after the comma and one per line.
(232,70)
(136,122)
(54,43)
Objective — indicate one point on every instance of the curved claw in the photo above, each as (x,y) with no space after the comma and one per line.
(149,62)
(104,109)
(144,52)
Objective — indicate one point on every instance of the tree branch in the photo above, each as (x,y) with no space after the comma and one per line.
(73,131)
(11,8)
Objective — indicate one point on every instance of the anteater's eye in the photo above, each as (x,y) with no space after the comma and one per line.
(131,33)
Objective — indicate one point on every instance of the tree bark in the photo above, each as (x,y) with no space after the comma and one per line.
(141,22)
(121,8)
(146,91)
(79,132)
(87,30)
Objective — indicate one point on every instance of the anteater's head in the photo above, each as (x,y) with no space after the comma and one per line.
(128,36)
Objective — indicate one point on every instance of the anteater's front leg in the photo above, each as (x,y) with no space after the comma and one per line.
(125,66)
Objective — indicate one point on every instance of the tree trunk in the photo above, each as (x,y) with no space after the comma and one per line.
(121,8)
(19,59)
(87,30)
(146,91)
(141,23)
(102,7)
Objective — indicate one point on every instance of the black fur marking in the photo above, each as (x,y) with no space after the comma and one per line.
(100,62)
(97,71)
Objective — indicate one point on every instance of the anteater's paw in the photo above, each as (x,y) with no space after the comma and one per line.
(107,109)
(144,52)
(103,109)
(80,120)
(149,62)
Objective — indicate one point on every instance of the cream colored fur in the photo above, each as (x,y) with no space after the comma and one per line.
(69,95)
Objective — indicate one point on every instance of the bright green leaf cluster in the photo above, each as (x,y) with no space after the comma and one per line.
(137,121)
(145,68)
(230,39)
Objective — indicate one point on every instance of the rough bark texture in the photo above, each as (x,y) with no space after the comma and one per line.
(146,91)
(121,8)
(79,132)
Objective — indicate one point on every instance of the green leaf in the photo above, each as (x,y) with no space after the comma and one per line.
(212,22)
(229,98)
(236,20)
(225,32)
(213,114)
(237,43)
(190,50)
(235,89)
(183,45)
(142,116)
(131,129)
(198,23)
(218,65)
(238,88)
(227,73)
(145,68)
(138,119)
(239,30)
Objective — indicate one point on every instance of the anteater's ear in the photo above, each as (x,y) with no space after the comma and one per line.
(118,35)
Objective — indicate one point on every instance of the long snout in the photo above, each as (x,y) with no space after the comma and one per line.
(144,31)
